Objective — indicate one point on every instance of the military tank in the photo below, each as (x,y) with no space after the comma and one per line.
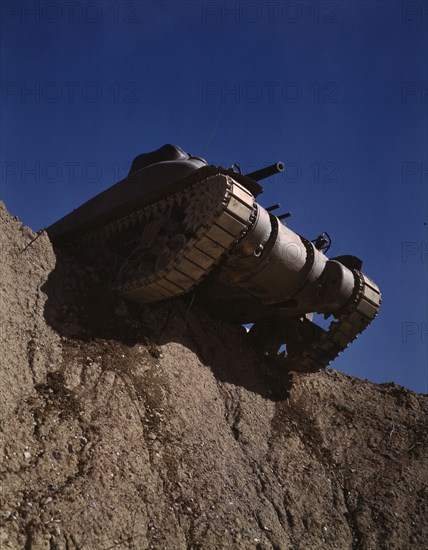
(176,225)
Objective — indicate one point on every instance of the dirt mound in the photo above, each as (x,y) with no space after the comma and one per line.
(158,427)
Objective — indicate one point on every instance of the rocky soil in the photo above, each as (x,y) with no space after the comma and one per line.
(158,427)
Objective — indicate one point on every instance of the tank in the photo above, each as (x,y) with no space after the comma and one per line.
(176,225)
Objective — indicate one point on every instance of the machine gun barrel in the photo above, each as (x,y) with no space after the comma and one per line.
(264,173)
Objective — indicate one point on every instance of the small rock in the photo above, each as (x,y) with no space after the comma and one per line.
(155,352)
(27,455)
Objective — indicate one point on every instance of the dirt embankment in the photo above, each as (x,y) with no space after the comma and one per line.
(158,427)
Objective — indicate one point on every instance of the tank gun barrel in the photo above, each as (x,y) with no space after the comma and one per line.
(264,173)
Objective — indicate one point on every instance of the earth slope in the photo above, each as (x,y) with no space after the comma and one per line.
(157,427)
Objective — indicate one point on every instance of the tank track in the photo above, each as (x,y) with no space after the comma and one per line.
(216,213)
(351,321)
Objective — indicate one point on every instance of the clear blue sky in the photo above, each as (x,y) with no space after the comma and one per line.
(337,90)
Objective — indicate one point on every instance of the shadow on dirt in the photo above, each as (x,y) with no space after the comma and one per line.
(81,307)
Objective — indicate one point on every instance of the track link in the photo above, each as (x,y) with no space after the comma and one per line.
(352,321)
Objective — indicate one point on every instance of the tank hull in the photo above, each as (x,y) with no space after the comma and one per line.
(176,226)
